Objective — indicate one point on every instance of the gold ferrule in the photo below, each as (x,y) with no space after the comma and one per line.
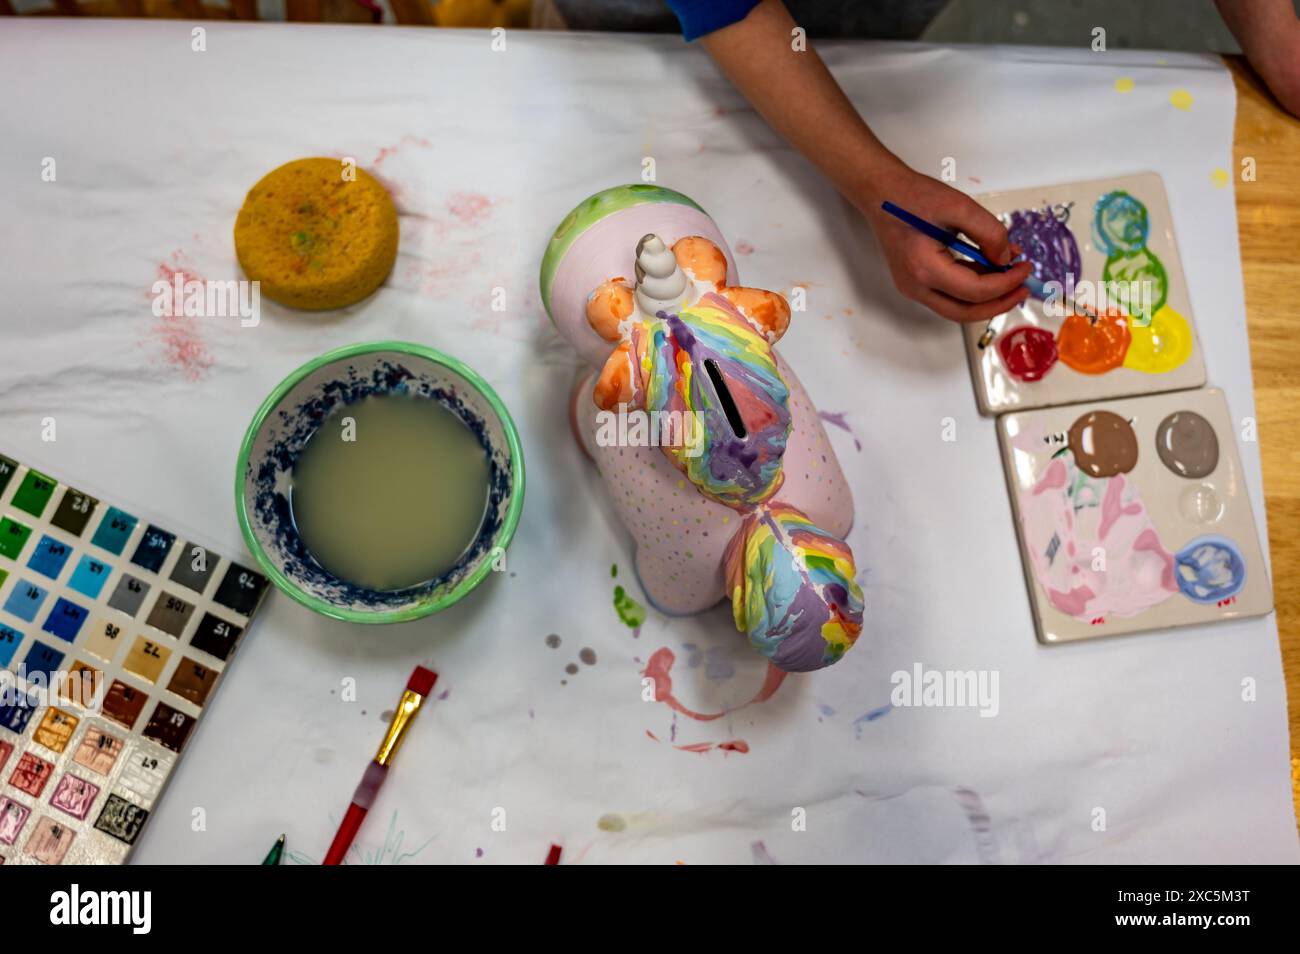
(402,716)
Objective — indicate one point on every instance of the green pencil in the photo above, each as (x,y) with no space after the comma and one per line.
(273,858)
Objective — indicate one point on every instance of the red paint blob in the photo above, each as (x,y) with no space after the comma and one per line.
(1028,352)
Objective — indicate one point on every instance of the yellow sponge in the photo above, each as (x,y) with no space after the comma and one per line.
(317,234)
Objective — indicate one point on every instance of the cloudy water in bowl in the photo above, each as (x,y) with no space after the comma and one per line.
(390,491)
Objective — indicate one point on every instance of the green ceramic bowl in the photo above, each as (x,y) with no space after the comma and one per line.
(295,410)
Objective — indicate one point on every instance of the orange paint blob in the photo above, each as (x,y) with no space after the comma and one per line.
(1094,348)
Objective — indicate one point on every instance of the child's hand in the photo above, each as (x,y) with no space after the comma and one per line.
(926,271)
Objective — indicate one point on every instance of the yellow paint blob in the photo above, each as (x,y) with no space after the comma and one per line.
(1124,84)
(1220,178)
(1181,99)
(1162,346)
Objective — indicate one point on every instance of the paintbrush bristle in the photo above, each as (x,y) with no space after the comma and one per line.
(422,680)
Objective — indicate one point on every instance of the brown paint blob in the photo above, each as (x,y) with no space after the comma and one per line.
(553,640)
(588,656)
(1103,444)
(1187,444)
(571,669)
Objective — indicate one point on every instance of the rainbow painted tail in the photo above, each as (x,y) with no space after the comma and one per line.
(792,589)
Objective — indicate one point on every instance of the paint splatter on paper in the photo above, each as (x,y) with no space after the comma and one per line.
(471,209)
(659,670)
(840,419)
(629,610)
(738,746)
(986,846)
(861,721)
(761,855)
(179,337)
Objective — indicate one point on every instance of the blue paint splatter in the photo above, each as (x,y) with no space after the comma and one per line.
(861,721)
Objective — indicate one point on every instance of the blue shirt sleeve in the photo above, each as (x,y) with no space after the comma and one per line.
(701,17)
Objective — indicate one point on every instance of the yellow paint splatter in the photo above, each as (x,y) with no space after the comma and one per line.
(1181,99)
(1220,178)
(1124,84)
(1162,346)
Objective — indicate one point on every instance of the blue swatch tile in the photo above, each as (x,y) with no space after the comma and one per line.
(15,713)
(153,549)
(25,599)
(49,556)
(42,659)
(10,639)
(114,530)
(90,576)
(65,620)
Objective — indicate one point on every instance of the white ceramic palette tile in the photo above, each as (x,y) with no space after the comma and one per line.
(1132,515)
(114,632)
(1083,235)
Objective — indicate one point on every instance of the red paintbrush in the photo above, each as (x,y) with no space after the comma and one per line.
(418,688)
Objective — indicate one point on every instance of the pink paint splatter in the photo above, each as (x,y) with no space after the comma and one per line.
(180,337)
(733,745)
(659,669)
(761,855)
(469,208)
(744,248)
(387,152)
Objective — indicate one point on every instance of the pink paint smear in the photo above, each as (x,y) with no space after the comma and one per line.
(387,152)
(734,745)
(180,337)
(660,667)
(469,208)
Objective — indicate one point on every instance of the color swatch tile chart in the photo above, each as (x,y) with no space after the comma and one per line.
(114,633)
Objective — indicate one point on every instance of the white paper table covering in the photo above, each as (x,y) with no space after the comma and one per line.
(155,147)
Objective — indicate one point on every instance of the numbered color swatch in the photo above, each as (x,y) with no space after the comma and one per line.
(114,632)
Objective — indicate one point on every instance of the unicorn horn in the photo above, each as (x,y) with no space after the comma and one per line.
(661,285)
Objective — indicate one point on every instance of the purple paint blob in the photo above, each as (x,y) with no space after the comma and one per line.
(1047,243)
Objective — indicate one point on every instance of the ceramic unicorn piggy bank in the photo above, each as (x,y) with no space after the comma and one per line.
(713,454)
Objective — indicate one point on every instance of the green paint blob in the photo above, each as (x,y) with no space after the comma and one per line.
(1132,272)
(629,610)
(613,570)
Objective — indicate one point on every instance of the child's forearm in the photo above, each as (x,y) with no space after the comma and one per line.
(796,94)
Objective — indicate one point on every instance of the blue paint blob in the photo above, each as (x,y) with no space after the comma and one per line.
(1210,569)
(1120,224)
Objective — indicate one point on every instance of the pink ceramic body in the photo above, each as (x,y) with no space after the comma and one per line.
(681,534)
